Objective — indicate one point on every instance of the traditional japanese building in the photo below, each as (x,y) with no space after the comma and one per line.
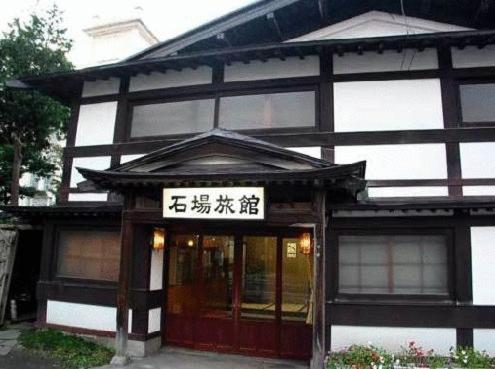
(292,178)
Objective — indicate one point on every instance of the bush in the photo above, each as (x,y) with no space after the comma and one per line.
(360,357)
(467,357)
(72,351)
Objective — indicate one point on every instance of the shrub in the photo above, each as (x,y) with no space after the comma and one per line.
(360,357)
(420,358)
(467,357)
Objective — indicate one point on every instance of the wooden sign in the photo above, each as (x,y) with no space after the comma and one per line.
(234,203)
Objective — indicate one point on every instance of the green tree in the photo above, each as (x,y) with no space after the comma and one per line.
(29,121)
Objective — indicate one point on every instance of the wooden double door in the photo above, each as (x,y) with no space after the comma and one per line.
(240,292)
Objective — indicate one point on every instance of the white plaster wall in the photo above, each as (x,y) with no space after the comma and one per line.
(484,340)
(77,197)
(471,57)
(477,159)
(483,261)
(411,161)
(314,151)
(95,162)
(478,190)
(186,77)
(100,318)
(272,68)
(388,61)
(388,105)
(154,320)
(96,123)
(101,87)
(156,270)
(393,339)
(407,191)
(127,158)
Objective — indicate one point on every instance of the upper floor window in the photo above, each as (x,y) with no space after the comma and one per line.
(179,117)
(267,111)
(393,265)
(477,102)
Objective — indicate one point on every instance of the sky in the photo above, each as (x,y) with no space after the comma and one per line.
(165,18)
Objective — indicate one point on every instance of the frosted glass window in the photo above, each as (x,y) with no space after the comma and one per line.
(96,163)
(393,265)
(409,161)
(478,102)
(388,105)
(156,80)
(279,110)
(87,254)
(172,118)
(101,87)
(96,123)
(473,56)
(477,160)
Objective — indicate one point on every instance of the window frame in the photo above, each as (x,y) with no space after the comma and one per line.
(471,81)
(55,276)
(372,297)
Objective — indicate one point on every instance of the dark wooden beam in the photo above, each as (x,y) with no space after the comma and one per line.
(275,26)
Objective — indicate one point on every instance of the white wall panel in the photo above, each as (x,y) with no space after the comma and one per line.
(186,77)
(314,151)
(472,56)
(96,162)
(74,197)
(407,191)
(477,160)
(96,123)
(272,68)
(156,270)
(388,105)
(484,340)
(388,61)
(154,320)
(100,318)
(393,339)
(411,161)
(478,190)
(100,87)
(483,261)
(127,158)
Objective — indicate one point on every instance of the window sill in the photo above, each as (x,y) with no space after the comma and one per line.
(407,301)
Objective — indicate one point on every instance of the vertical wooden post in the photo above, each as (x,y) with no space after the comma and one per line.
(121,357)
(16,170)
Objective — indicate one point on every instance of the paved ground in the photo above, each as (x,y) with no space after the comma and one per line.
(171,358)
(8,339)
(21,359)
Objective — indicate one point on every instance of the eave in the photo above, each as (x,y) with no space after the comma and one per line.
(35,212)
(63,85)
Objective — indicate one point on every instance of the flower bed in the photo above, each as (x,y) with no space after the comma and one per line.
(412,356)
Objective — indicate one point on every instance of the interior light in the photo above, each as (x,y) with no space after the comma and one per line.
(158,239)
(190,243)
(305,243)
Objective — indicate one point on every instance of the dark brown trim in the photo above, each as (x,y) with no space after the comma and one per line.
(326,101)
(464,337)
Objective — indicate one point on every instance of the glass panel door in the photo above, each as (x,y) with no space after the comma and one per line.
(258,296)
(217,275)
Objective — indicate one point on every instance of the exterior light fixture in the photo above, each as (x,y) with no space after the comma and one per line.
(158,239)
(190,243)
(305,244)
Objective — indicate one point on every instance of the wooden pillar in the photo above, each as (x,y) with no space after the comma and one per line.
(319,283)
(121,357)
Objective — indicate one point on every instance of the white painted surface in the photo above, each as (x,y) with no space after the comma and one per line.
(314,151)
(478,190)
(186,196)
(477,159)
(472,57)
(273,68)
(96,123)
(483,261)
(101,87)
(154,320)
(411,161)
(173,78)
(156,270)
(68,314)
(407,191)
(127,158)
(78,197)
(393,339)
(96,162)
(388,213)
(484,340)
(388,105)
(378,24)
(388,61)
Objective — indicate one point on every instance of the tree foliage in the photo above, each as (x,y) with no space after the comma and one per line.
(35,47)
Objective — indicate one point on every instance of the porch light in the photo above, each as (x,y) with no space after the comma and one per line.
(190,243)
(305,244)
(158,239)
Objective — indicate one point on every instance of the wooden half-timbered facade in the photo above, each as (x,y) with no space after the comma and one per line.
(355,140)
